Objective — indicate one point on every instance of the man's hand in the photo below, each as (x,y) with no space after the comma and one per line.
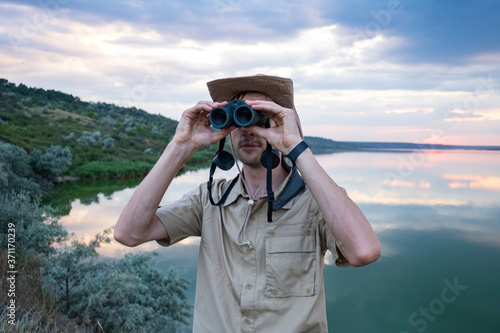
(353,234)
(138,223)
(194,127)
(284,133)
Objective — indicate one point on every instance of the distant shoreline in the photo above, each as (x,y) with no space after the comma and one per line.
(322,145)
(414,146)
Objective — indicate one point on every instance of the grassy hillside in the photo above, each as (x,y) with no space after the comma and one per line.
(105,140)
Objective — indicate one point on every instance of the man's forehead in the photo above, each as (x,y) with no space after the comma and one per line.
(256,96)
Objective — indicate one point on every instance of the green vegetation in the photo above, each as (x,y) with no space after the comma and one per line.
(104,140)
(60,283)
(112,169)
(56,283)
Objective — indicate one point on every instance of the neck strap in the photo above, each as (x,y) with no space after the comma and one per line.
(294,187)
(211,177)
(270,192)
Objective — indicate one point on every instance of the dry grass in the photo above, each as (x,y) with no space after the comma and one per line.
(60,114)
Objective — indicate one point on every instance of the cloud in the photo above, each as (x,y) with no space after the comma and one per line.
(444,32)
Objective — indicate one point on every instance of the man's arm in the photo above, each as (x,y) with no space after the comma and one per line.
(354,235)
(138,223)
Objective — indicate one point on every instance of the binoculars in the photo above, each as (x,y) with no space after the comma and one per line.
(237,113)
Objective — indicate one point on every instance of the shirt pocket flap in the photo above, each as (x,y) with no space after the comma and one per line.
(290,244)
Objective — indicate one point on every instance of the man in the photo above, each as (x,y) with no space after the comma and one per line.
(253,275)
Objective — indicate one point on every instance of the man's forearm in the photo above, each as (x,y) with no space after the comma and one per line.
(353,233)
(136,223)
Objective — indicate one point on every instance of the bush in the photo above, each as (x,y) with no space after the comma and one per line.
(89,138)
(53,164)
(36,229)
(112,169)
(15,171)
(107,142)
(128,295)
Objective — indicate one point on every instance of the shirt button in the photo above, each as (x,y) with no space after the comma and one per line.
(274,292)
(272,233)
(249,286)
(247,321)
(307,232)
(249,251)
(308,291)
(252,218)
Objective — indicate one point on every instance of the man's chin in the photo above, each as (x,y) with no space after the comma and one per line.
(250,159)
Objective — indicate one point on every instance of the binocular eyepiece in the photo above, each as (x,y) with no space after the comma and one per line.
(237,113)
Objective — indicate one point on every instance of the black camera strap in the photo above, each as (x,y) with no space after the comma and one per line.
(292,189)
(211,178)
(270,192)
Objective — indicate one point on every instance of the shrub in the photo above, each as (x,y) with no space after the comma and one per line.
(36,229)
(89,138)
(107,142)
(128,295)
(112,169)
(53,164)
(15,171)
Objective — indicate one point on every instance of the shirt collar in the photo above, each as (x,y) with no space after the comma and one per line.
(239,189)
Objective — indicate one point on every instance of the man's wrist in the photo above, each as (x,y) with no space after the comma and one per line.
(185,149)
(292,156)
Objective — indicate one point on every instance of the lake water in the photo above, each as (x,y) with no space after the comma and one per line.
(436,213)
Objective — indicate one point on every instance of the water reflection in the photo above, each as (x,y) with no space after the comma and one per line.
(473,181)
(437,214)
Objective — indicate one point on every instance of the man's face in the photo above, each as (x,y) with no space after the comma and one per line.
(247,146)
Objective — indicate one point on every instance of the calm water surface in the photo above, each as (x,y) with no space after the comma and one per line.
(436,213)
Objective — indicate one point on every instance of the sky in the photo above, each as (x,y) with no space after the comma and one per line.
(418,71)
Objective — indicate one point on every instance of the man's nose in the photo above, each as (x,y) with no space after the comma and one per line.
(245,131)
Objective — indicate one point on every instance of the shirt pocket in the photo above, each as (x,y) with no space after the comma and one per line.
(290,263)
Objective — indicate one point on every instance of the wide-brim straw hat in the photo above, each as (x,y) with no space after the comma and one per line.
(279,89)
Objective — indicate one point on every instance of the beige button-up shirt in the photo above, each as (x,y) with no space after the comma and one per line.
(272,284)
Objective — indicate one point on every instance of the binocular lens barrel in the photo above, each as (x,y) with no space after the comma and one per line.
(221,117)
(236,113)
(245,116)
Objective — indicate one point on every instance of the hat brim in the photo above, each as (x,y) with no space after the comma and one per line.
(277,88)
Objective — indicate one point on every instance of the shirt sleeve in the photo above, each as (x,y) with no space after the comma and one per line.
(182,218)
